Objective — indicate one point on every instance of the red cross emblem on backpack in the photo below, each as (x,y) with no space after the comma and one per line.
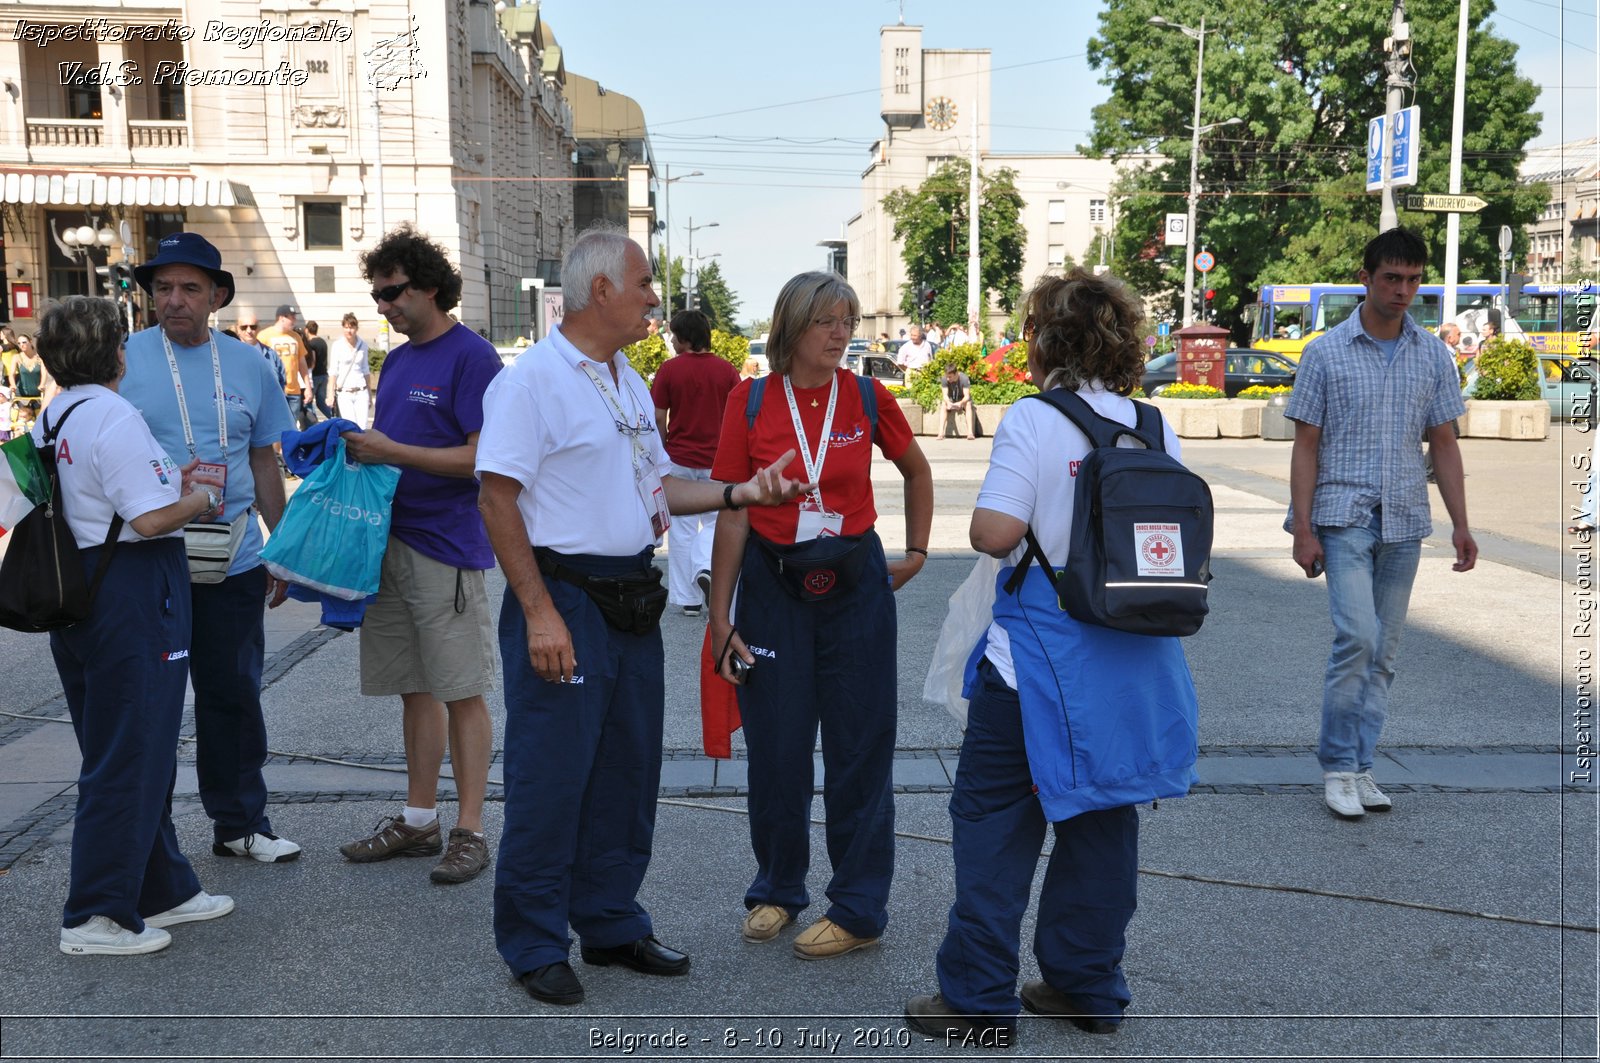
(820,581)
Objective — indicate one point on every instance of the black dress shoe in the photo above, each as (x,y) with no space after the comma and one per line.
(647,956)
(554,984)
(1042,998)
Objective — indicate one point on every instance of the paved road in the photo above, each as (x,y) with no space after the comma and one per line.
(1267,928)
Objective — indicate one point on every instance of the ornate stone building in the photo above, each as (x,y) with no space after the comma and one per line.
(291,133)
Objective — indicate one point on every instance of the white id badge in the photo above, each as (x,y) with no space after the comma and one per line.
(211,474)
(654,497)
(817,523)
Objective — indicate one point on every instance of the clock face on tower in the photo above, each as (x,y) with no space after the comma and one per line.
(940,113)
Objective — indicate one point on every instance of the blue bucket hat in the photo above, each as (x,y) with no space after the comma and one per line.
(186,249)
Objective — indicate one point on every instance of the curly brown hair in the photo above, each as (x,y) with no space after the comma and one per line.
(1081,328)
(425,263)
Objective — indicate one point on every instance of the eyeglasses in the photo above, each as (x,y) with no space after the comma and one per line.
(828,324)
(247,328)
(634,431)
(389,294)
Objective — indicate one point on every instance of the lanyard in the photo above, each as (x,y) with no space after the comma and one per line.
(624,424)
(183,405)
(813,465)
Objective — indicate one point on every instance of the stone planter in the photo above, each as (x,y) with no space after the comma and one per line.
(1239,419)
(989,415)
(1506,419)
(1194,418)
(914,416)
(1274,425)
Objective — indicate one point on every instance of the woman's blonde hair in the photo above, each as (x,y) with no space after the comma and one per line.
(799,303)
(1081,328)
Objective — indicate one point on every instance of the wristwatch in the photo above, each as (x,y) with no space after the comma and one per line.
(213,503)
(727,497)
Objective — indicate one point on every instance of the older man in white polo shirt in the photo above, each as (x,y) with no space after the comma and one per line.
(575,494)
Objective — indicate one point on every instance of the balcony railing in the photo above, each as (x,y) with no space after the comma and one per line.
(158,134)
(65,133)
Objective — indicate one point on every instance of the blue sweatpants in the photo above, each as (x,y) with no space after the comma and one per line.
(582,771)
(830,663)
(997,829)
(123,671)
(230,732)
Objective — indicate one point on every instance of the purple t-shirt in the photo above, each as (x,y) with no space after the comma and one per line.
(431,395)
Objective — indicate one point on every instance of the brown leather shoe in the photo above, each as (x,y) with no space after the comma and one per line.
(394,838)
(825,939)
(765,921)
(464,858)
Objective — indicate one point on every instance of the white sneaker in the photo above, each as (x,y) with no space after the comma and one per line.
(267,848)
(100,936)
(1372,799)
(196,909)
(1339,791)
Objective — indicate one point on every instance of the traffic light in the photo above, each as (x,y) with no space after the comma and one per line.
(109,287)
(122,276)
(928,295)
(1211,293)
(1514,285)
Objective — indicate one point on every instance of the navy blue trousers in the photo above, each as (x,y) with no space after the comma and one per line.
(582,771)
(828,663)
(230,733)
(123,671)
(1090,882)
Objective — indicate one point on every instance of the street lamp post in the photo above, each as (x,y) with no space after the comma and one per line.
(666,220)
(693,302)
(1198,35)
(82,240)
(692,228)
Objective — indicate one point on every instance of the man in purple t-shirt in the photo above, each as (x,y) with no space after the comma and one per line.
(428,635)
(689,392)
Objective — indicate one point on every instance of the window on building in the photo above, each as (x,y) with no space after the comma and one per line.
(83,101)
(158,225)
(1058,255)
(170,103)
(936,161)
(323,225)
(1097,211)
(1058,211)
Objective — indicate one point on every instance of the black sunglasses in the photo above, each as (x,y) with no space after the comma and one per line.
(389,294)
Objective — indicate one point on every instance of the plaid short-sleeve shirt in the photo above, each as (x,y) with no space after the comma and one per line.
(1373,413)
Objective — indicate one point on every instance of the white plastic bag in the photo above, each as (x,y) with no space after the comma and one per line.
(971,610)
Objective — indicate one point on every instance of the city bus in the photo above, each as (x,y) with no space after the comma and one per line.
(1555,319)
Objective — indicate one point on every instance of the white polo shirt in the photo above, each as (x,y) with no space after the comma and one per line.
(546,426)
(108,462)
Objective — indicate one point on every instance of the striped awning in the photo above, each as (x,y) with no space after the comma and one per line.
(100,189)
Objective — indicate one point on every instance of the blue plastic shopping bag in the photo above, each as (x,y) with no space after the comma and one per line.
(335,528)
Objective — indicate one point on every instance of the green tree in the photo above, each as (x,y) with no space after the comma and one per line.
(715,299)
(680,281)
(931,224)
(1283,193)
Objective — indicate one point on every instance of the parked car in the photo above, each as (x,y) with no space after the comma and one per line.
(881,367)
(1564,382)
(1243,368)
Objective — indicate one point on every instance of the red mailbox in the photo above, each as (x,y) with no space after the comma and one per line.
(1202,352)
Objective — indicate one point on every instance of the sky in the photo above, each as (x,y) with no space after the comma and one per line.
(780,111)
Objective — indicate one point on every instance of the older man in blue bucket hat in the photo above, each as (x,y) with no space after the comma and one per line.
(209,398)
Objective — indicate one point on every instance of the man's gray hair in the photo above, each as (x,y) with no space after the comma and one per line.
(601,251)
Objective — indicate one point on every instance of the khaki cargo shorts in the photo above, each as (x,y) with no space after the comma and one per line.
(428,631)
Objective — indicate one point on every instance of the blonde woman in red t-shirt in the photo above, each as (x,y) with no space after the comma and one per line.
(812,638)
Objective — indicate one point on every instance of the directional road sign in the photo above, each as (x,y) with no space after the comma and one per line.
(1403,165)
(1204,261)
(1446,204)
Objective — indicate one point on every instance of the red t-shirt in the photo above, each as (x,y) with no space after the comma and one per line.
(692,388)
(847,472)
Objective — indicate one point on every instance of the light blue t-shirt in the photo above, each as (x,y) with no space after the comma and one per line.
(257,414)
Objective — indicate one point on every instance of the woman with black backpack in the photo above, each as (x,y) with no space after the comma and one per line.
(123,668)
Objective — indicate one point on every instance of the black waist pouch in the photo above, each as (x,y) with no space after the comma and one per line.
(819,570)
(632,603)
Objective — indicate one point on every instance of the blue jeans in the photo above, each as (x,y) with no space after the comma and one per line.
(1369,588)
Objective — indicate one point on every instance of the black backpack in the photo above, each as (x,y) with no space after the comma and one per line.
(42,582)
(1141,530)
